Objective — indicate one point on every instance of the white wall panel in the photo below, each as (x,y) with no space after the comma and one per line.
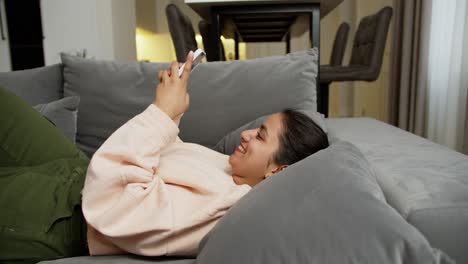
(105,28)
(5,62)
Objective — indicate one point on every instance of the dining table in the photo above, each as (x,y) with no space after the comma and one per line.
(260,20)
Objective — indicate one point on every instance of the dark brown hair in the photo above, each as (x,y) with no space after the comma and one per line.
(300,138)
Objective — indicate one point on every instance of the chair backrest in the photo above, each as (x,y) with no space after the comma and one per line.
(369,42)
(339,45)
(205,32)
(182,33)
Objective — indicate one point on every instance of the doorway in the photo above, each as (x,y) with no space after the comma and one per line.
(25,34)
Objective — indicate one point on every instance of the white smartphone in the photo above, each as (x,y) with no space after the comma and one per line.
(198,55)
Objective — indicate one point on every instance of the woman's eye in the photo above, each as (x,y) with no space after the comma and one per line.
(258,136)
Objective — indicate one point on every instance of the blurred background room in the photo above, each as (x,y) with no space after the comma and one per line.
(420,83)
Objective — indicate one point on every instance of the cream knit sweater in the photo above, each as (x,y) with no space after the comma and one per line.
(149,193)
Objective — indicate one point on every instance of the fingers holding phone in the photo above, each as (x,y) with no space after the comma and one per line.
(186,67)
(170,70)
(171,93)
(198,56)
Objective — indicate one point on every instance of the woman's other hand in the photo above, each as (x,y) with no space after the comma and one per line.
(171,93)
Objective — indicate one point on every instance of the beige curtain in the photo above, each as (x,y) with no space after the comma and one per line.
(407,107)
(465,135)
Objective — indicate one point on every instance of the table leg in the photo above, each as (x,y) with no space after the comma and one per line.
(315,27)
(322,98)
(322,90)
(215,34)
(236,45)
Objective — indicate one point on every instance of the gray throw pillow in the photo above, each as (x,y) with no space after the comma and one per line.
(35,86)
(231,141)
(327,208)
(111,93)
(63,113)
(226,95)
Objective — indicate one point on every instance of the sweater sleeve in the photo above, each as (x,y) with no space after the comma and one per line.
(124,199)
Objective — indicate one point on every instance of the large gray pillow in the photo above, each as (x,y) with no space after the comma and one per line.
(111,93)
(35,86)
(327,208)
(63,113)
(231,141)
(227,95)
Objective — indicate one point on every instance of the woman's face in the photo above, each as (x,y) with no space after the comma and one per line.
(252,160)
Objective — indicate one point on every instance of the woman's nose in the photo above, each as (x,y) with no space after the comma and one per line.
(245,135)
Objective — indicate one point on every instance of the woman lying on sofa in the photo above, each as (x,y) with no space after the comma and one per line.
(146,192)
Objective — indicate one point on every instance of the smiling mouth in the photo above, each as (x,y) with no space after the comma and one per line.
(240,149)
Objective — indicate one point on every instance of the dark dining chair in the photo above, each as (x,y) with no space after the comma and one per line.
(339,45)
(182,33)
(205,32)
(366,57)
(336,58)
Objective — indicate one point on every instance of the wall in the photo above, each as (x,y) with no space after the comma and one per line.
(124,29)
(105,28)
(154,42)
(264,49)
(5,61)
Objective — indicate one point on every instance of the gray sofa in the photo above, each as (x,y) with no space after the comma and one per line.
(376,195)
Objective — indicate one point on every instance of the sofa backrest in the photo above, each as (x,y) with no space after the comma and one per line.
(36,86)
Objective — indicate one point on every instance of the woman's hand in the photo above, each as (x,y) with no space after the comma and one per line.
(171,93)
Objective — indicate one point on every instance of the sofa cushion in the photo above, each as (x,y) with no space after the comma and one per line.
(110,92)
(425,182)
(227,95)
(327,208)
(63,113)
(231,141)
(36,86)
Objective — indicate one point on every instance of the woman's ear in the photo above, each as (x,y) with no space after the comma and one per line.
(276,170)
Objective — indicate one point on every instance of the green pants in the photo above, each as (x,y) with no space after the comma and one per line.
(41,177)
